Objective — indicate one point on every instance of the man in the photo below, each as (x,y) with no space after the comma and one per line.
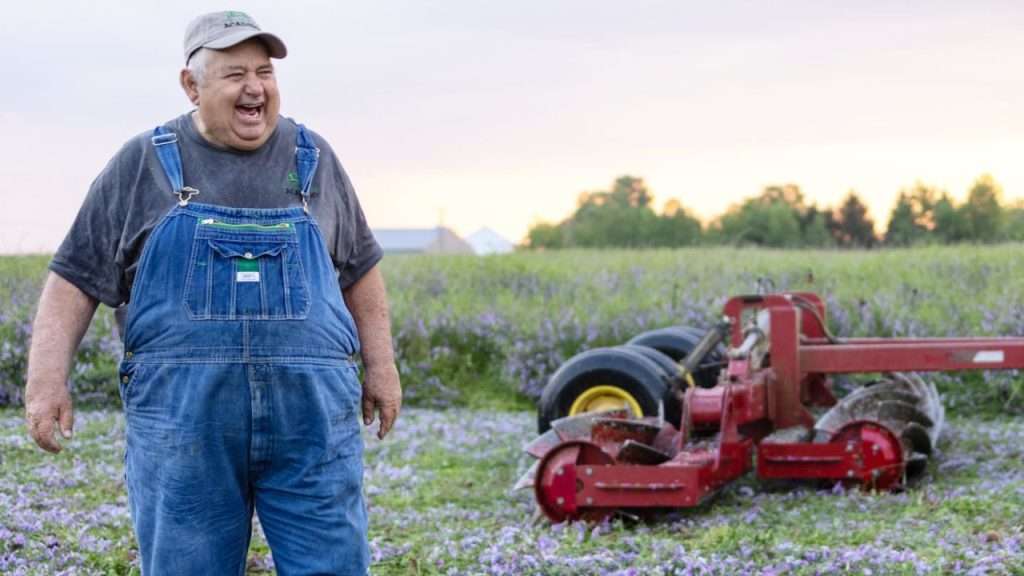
(228,231)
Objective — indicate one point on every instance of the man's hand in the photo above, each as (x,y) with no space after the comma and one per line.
(61,320)
(382,393)
(46,403)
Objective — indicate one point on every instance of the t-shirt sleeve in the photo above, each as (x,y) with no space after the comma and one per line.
(90,257)
(357,249)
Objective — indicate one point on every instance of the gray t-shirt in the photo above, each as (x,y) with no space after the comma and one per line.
(101,252)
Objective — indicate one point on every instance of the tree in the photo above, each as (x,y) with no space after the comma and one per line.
(852,227)
(912,220)
(788,194)
(982,214)
(1013,223)
(814,229)
(611,224)
(676,227)
(763,224)
(776,218)
(922,200)
(621,217)
(949,224)
(546,236)
(903,229)
(629,191)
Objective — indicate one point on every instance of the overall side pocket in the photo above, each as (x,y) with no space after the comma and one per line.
(342,396)
(128,374)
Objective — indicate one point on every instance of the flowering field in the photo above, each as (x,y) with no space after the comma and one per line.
(488,332)
(476,339)
(463,321)
(440,503)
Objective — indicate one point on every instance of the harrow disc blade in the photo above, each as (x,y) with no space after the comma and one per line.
(917,436)
(903,412)
(555,486)
(542,444)
(633,452)
(578,427)
(568,429)
(916,464)
(904,404)
(616,431)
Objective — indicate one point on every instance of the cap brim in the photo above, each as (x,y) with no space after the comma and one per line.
(275,47)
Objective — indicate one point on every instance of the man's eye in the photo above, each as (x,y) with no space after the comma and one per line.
(234,75)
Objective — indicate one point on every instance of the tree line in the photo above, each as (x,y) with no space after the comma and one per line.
(781,217)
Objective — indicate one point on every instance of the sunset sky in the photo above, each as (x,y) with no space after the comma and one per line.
(493,114)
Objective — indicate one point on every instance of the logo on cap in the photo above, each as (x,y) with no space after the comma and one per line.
(237,19)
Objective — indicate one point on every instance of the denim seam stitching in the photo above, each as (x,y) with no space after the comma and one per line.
(199,210)
(140,278)
(188,277)
(264,309)
(304,284)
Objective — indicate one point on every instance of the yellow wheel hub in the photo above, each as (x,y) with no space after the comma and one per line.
(601,398)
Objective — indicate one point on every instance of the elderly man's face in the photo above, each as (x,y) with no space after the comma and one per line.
(237,97)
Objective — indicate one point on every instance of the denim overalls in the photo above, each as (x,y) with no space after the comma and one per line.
(239,390)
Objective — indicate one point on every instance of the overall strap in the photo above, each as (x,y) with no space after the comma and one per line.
(165,142)
(307,156)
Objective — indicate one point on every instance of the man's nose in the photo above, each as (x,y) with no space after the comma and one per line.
(253,86)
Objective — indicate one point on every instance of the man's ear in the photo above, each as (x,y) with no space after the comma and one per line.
(190,86)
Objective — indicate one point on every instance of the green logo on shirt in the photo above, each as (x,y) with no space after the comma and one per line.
(292,185)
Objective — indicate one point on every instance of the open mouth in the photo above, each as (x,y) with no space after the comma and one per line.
(250,111)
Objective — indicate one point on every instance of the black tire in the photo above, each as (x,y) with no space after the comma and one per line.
(719,352)
(669,366)
(673,411)
(678,341)
(628,369)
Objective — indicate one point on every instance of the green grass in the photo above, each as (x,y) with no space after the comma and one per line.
(485,332)
(531,286)
(439,503)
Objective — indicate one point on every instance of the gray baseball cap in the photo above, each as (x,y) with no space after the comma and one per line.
(220,30)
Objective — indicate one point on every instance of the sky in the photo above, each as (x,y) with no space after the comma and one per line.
(500,114)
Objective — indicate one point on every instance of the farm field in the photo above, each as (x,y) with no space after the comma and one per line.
(440,503)
(487,332)
(476,339)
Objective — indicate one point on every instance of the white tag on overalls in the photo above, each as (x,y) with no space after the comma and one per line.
(247,270)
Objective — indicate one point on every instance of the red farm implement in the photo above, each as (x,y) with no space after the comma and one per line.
(672,417)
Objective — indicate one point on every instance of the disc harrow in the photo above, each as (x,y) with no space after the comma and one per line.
(771,360)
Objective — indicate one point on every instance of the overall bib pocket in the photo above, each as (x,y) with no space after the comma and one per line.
(246,272)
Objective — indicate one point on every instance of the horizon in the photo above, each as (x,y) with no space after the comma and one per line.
(472,116)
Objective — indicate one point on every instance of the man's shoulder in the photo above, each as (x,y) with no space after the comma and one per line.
(292,127)
(134,149)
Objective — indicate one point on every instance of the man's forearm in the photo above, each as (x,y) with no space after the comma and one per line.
(62,318)
(367,301)
(61,321)
(382,391)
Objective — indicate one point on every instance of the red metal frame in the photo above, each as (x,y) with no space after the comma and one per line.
(749,404)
